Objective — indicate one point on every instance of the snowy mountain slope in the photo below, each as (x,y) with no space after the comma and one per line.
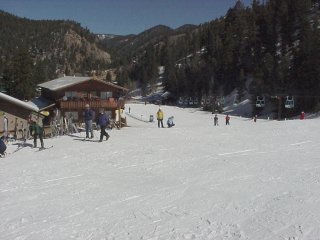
(193,181)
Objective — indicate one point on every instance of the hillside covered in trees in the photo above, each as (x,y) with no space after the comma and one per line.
(275,44)
(35,51)
(270,48)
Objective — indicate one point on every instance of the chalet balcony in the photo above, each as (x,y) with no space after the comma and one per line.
(77,104)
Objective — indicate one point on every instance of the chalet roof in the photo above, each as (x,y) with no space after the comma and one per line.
(68,81)
(18,102)
(63,82)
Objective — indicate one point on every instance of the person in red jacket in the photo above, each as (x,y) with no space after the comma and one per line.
(302,115)
(227,120)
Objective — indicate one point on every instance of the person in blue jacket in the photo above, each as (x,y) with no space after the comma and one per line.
(103,122)
(88,117)
(170,122)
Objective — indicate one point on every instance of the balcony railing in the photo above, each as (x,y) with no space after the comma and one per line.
(111,103)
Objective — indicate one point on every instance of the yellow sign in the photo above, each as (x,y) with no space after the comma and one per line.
(45,113)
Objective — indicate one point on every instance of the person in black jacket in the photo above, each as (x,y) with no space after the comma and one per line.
(37,129)
(103,122)
(3,148)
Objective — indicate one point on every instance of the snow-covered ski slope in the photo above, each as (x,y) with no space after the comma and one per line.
(257,181)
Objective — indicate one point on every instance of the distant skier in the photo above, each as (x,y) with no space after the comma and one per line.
(255,118)
(37,129)
(160,118)
(88,117)
(103,122)
(215,120)
(170,122)
(3,148)
(302,115)
(227,120)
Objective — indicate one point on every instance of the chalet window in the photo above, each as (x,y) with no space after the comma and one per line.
(105,95)
(83,94)
(70,95)
(93,94)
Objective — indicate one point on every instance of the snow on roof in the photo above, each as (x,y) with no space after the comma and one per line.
(16,101)
(63,82)
(68,81)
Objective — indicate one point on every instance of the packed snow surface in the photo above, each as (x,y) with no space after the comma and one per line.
(258,181)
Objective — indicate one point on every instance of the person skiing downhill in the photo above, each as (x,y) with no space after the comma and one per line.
(103,122)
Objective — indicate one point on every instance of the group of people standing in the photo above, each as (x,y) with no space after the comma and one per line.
(35,130)
(103,121)
(215,120)
(160,116)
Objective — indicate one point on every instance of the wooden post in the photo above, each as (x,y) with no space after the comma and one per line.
(120,102)
(119,109)
(279,107)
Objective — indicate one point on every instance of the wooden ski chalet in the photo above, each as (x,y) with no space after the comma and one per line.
(71,94)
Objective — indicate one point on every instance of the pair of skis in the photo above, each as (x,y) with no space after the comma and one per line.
(44,148)
(9,153)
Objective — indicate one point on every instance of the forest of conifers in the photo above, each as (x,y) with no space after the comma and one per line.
(273,45)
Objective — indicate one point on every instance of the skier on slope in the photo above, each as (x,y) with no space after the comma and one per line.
(215,120)
(37,129)
(227,120)
(103,122)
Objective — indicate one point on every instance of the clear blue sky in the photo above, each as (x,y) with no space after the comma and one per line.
(121,16)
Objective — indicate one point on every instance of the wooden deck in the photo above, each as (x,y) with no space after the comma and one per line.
(93,103)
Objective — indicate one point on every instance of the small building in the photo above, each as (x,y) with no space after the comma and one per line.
(70,95)
(17,112)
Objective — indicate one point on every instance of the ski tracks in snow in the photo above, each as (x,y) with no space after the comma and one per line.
(298,146)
